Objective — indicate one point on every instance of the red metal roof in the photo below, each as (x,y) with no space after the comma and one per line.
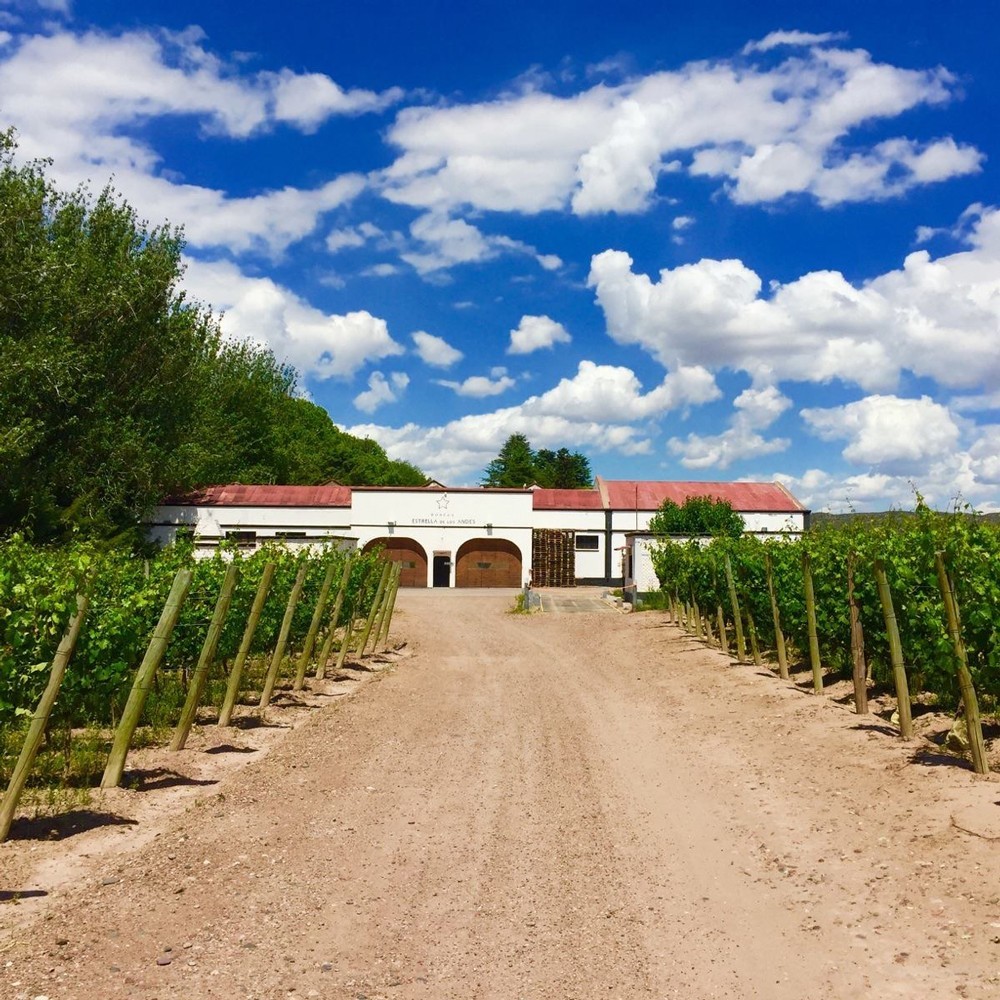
(629,494)
(238,495)
(544,499)
(615,494)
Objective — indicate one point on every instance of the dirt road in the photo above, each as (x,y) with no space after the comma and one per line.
(554,806)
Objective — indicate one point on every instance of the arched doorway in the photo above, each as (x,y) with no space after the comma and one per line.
(488,562)
(409,553)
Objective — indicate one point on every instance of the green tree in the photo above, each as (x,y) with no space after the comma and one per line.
(562,470)
(518,465)
(514,466)
(100,356)
(697,516)
(115,391)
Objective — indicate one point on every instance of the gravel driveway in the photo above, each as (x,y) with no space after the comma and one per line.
(585,805)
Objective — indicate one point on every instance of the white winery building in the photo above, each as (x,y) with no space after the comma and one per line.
(466,536)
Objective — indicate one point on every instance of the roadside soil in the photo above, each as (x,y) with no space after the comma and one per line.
(523,806)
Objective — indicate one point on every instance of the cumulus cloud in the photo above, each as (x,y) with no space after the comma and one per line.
(597,409)
(457,451)
(317,343)
(763,131)
(534,333)
(818,327)
(85,99)
(381,391)
(941,482)
(435,351)
(309,99)
(439,241)
(887,431)
(756,410)
(480,386)
(612,393)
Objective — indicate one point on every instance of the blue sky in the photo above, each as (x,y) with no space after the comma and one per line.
(694,241)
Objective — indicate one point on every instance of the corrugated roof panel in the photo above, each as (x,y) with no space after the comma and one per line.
(628,494)
(240,495)
(544,499)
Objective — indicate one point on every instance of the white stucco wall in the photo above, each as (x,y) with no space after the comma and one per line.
(441,522)
(589,563)
(643,576)
(210,523)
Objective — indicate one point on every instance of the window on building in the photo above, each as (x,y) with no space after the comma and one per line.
(289,534)
(244,539)
(588,543)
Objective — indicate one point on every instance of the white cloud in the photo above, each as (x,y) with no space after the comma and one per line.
(441,242)
(756,410)
(777,38)
(456,452)
(888,431)
(941,483)
(535,333)
(479,386)
(764,131)
(267,223)
(381,391)
(318,344)
(613,394)
(309,99)
(682,222)
(383,270)
(344,239)
(595,410)
(435,351)
(818,327)
(85,100)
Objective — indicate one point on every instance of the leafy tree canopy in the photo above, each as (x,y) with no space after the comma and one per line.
(697,516)
(518,465)
(116,391)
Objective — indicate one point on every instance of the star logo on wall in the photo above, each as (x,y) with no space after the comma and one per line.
(443,502)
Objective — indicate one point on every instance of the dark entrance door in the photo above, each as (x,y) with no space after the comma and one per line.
(442,571)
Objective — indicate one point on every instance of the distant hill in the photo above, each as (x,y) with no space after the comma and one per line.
(818,520)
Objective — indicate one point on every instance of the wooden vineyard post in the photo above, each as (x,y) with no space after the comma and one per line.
(779,636)
(709,635)
(383,610)
(384,638)
(723,636)
(338,603)
(376,605)
(307,646)
(205,659)
(741,649)
(155,652)
(236,674)
(754,645)
(895,652)
(286,627)
(697,617)
(807,579)
(36,731)
(971,704)
(345,643)
(859,672)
